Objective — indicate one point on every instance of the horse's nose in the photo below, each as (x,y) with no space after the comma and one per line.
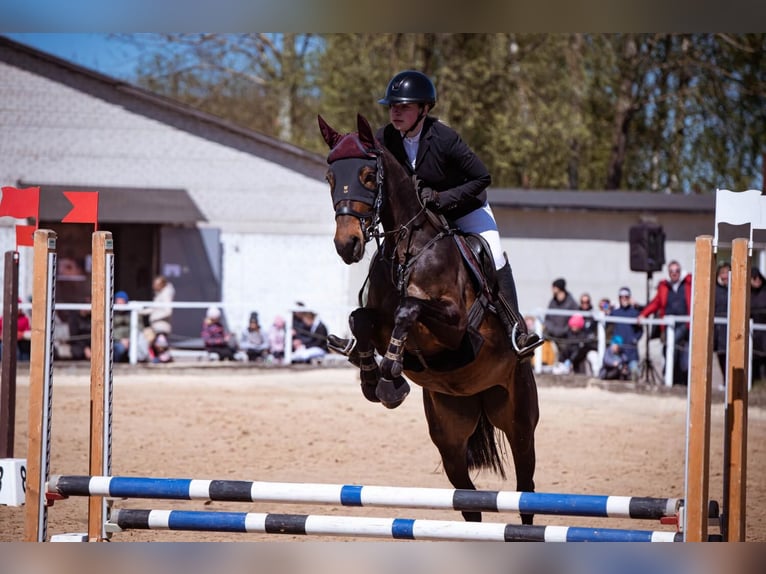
(350,249)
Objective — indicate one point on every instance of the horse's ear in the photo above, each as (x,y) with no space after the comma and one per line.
(365,131)
(330,135)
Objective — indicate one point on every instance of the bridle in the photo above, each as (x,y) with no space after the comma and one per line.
(369,221)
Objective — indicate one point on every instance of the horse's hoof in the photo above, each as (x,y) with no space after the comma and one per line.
(368,391)
(392,393)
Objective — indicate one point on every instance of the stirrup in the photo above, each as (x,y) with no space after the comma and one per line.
(524,352)
(341,346)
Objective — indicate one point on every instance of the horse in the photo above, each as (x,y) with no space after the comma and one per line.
(419,315)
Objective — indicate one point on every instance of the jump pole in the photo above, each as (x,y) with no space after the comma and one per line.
(351,495)
(392,528)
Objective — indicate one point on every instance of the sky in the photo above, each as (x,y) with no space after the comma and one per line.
(100,52)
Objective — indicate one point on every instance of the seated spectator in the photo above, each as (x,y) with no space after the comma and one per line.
(252,342)
(276,339)
(615,365)
(575,347)
(121,334)
(586,306)
(629,333)
(79,334)
(23,335)
(309,337)
(159,350)
(555,326)
(215,337)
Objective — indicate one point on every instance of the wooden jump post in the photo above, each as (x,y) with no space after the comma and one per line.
(41,380)
(735,208)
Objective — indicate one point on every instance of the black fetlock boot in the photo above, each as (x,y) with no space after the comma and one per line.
(522,340)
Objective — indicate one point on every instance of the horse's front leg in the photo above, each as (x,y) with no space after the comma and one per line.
(392,387)
(362,324)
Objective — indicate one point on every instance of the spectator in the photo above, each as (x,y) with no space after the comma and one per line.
(720,342)
(159,350)
(615,365)
(575,348)
(556,327)
(159,317)
(252,340)
(23,335)
(629,333)
(79,334)
(121,329)
(586,306)
(121,333)
(276,339)
(215,337)
(310,337)
(674,298)
(605,305)
(758,314)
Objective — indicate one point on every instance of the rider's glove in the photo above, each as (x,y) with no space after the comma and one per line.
(430,199)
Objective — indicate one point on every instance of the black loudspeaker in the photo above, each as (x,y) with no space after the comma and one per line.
(647,247)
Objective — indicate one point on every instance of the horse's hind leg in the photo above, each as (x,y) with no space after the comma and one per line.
(451,422)
(517,415)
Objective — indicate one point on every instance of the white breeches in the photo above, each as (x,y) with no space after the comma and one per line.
(482,221)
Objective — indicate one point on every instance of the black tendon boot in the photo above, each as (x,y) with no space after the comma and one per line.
(522,340)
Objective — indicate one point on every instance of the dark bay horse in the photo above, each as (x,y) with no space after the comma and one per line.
(417,317)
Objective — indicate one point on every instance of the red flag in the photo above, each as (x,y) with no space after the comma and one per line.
(84,207)
(25,235)
(20,203)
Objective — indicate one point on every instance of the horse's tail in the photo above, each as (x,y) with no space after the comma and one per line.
(483,450)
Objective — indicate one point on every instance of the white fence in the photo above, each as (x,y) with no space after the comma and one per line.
(338,325)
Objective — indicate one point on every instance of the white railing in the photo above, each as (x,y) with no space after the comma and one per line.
(669,321)
(602,319)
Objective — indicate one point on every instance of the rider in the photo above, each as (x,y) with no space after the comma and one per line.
(453,182)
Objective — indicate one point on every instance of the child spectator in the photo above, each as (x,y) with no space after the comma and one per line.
(159,351)
(615,365)
(252,342)
(276,339)
(23,335)
(215,337)
(575,348)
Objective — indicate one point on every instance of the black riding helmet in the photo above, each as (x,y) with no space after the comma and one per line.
(409,86)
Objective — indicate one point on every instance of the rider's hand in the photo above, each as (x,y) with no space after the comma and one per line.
(430,199)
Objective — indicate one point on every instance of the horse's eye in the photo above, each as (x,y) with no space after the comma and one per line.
(367,177)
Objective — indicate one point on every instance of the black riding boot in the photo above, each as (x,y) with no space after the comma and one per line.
(522,340)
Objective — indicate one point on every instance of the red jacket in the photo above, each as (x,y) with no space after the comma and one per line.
(660,301)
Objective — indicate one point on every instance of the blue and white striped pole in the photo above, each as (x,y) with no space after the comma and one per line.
(355,495)
(368,527)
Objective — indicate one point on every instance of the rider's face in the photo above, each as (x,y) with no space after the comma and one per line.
(402,116)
